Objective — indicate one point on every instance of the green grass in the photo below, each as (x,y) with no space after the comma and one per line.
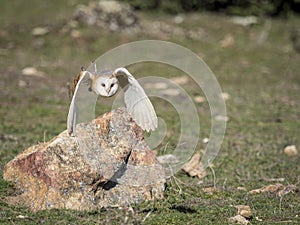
(263,81)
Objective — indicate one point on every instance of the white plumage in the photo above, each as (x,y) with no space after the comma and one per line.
(106,84)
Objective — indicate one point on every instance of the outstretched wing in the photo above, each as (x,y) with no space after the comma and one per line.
(137,103)
(84,78)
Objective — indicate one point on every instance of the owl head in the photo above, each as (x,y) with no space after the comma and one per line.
(105,84)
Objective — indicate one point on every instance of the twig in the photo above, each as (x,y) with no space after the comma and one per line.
(280,179)
(148,214)
(214,175)
(280,203)
(45,136)
(69,90)
(175,179)
(224,183)
(165,149)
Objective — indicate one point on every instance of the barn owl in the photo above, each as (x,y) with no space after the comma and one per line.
(106,84)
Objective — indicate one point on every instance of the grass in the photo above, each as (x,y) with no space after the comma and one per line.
(263,81)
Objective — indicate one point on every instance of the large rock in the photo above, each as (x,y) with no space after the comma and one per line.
(113,15)
(107,164)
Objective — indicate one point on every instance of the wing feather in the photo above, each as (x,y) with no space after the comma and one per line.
(137,103)
(85,76)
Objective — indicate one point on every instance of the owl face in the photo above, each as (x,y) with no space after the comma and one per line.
(105,85)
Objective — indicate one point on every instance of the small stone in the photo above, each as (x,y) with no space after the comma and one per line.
(222,118)
(22,83)
(258,219)
(39,31)
(194,167)
(180,80)
(199,99)
(171,92)
(290,150)
(32,71)
(227,42)
(209,190)
(225,96)
(272,188)
(178,19)
(245,21)
(241,189)
(244,210)
(205,140)
(75,34)
(21,217)
(238,219)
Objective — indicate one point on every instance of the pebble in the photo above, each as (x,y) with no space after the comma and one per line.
(180,80)
(238,219)
(244,21)
(290,150)
(244,210)
(225,95)
(32,71)
(222,118)
(178,19)
(39,31)
(199,99)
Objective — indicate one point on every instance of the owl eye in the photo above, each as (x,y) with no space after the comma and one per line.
(103,85)
(112,85)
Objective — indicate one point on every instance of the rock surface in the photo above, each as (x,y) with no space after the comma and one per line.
(113,15)
(106,164)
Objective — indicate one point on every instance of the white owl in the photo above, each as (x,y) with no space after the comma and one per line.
(106,84)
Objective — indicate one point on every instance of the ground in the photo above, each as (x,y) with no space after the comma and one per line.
(257,66)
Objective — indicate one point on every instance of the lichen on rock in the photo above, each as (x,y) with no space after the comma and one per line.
(106,164)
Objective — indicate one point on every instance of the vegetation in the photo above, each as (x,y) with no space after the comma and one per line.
(261,76)
(237,7)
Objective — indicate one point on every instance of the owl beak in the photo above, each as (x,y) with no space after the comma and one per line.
(108,90)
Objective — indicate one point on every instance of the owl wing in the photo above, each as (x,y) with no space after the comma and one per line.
(84,78)
(137,103)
